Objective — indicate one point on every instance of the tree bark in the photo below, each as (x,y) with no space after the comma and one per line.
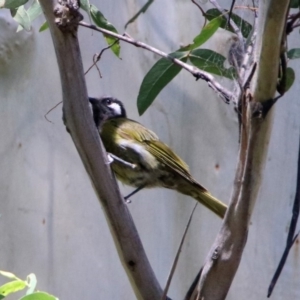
(225,254)
(80,124)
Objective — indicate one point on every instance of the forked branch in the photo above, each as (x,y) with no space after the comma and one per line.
(225,94)
(225,254)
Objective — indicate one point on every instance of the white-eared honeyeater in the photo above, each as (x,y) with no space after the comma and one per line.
(153,163)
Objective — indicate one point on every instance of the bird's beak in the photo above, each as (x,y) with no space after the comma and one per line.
(99,111)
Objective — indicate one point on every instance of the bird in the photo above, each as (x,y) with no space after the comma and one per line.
(140,159)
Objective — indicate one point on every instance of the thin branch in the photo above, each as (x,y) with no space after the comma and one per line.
(97,57)
(177,255)
(291,23)
(252,8)
(236,29)
(142,10)
(295,26)
(225,94)
(291,238)
(202,11)
(46,114)
(193,286)
(230,10)
(237,50)
(248,56)
(281,265)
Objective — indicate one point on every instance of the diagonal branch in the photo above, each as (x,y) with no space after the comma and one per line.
(197,73)
(79,123)
(291,238)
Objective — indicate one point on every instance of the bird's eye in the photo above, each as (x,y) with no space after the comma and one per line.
(108,101)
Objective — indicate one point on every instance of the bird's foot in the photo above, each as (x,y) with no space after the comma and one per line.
(134,192)
(111,157)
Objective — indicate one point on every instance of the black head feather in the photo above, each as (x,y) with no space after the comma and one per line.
(107,108)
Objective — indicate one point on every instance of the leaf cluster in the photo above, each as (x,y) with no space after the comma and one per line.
(164,70)
(16,284)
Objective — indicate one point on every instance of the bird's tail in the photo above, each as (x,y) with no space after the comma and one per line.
(199,193)
(212,203)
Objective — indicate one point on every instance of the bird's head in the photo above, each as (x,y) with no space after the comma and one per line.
(106,108)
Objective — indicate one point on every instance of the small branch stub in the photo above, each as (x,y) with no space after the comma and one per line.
(67,15)
(216,254)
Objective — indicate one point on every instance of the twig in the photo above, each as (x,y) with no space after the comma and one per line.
(247,62)
(291,238)
(237,50)
(202,11)
(295,26)
(197,73)
(229,20)
(177,255)
(292,20)
(247,58)
(98,69)
(97,57)
(280,266)
(254,9)
(142,10)
(230,10)
(193,286)
(45,116)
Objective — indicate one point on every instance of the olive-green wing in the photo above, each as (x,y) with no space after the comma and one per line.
(166,156)
(136,132)
(129,129)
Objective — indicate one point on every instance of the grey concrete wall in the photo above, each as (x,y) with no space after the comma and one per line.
(51,223)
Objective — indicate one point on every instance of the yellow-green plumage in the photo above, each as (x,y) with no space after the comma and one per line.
(156,165)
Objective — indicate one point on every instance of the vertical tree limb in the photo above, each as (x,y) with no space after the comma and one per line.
(79,122)
(224,257)
(292,237)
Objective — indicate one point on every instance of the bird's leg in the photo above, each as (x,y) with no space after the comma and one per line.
(111,157)
(134,192)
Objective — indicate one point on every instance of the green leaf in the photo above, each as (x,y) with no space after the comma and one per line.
(211,62)
(13,11)
(102,22)
(243,25)
(11,4)
(142,10)
(44,26)
(31,283)
(85,5)
(34,10)
(39,296)
(12,287)
(290,78)
(22,18)
(294,53)
(206,33)
(156,79)
(9,275)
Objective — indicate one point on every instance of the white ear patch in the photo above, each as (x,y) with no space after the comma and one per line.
(116,108)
